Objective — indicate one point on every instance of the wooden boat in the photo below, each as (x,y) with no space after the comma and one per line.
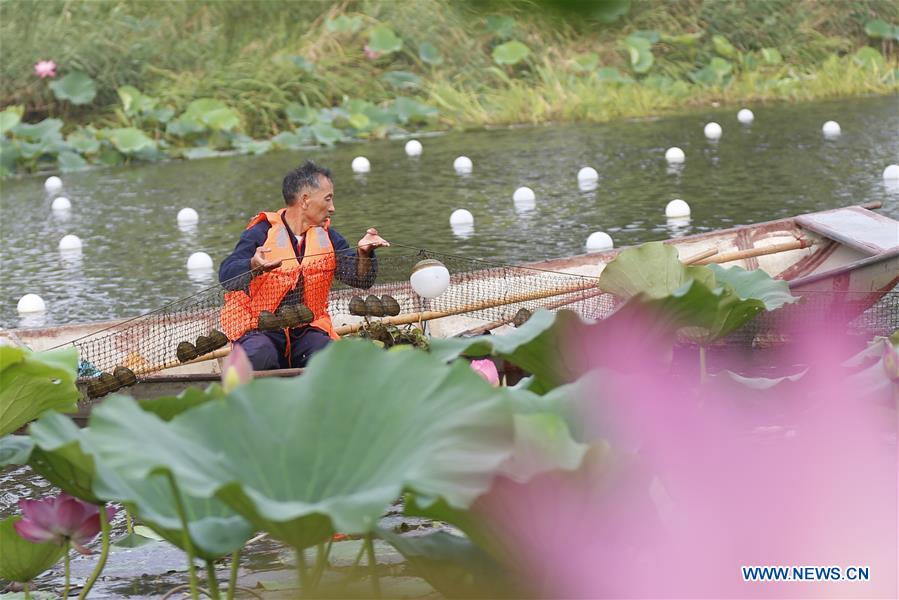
(846,260)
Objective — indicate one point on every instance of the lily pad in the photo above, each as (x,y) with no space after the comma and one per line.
(500,25)
(411,110)
(84,142)
(289,140)
(34,382)
(869,57)
(9,118)
(772,56)
(344,24)
(879,29)
(383,40)
(612,75)
(285,455)
(77,88)
(297,113)
(402,79)
(42,130)
(24,560)
(723,47)
(325,133)
(429,54)
(510,53)
(129,140)
(71,161)
(640,52)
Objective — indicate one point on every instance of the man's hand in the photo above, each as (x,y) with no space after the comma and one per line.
(371,241)
(259,263)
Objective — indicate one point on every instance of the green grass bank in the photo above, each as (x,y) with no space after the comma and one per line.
(141,80)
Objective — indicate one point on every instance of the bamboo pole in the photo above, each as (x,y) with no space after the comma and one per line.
(797,244)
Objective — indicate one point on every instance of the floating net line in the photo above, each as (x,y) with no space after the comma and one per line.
(482,292)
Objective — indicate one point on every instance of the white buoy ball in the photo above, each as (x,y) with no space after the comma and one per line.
(462,164)
(361,165)
(53,184)
(187,216)
(61,203)
(587,174)
(429,278)
(413,148)
(31,303)
(712,130)
(199,260)
(831,129)
(524,194)
(677,208)
(70,242)
(745,116)
(891,172)
(461,217)
(675,155)
(599,241)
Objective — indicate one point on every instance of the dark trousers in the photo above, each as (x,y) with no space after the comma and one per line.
(265,349)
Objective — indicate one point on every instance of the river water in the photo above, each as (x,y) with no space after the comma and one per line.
(134,254)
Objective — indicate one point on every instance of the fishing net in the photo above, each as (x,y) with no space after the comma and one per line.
(297,295)
(480,295)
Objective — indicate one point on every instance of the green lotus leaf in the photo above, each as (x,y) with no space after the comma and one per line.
(652,269)
(585,62)
(303,457)
(133,101)
(221,119)
(684,39)
(76,87)
(453,565)
(83,142)
(24,560)
(650,36)
(169,407)
(9,118)
(429,54)
(288,140)
(34,382)
(201,106)
(66,456)
(344,24)
(255,147)
(383,40)
(325,133)
(381,116)
(160,115)
(411,110)
(15,450)
(536,346)
(755,284)
(184,126)
(298,113)
(200,152)
(543,442)
(640,52)
(71,161)
(43,130)
(772,56)
(109,156)
(723,47)
(510,53)
(129,140)
(869,57)
(714,73)
(500,25)
(359,121)
(613,75)
(58,456)
(878,29)
(402,79)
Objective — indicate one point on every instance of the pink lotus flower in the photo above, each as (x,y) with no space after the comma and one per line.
(371,54)
(45,68)
(237,369)
(59,520)
(486,369)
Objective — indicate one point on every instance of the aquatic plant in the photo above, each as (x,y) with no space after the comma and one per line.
(24,560)
(33,382)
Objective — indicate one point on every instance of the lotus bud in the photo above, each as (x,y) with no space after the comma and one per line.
(237,369)
(486,369)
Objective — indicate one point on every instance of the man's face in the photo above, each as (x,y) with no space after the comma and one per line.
(318,203)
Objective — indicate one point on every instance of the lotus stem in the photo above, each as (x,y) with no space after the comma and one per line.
(188,545)
(301,571)
(128,522)
(372,565)
(702,368)
(65,589)
(321,559)
(26,587)
(232,580)
(212,581)
(104,553)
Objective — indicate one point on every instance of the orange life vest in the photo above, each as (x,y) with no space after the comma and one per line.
(266,291)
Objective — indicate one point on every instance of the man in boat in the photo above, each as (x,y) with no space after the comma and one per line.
(287,260)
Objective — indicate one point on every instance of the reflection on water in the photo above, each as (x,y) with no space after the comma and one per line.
(135,252)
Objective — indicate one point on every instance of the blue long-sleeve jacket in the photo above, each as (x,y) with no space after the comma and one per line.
(238,262)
